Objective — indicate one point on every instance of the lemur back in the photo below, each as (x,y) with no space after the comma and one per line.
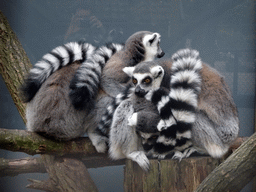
(46,89)
(84,93)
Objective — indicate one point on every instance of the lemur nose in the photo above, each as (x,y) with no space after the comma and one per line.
(140,92)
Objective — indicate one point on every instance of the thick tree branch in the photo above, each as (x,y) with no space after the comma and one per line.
(32,143)
(234,173)
(65,174)
(15,167)
(20,166)
(14,63)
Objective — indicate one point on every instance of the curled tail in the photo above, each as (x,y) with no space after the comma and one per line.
(177,108)
(106,120)
(85,83)
(51,62)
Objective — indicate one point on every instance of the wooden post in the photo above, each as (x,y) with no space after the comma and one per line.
(169,175)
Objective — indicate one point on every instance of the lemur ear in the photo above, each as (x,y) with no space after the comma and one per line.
(129,70)
(157,71)
(152,39)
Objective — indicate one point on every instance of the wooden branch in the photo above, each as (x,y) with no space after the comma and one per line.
(65,174)
(15,167)
(14,63)
(20,166)
(32,143)
(234,173)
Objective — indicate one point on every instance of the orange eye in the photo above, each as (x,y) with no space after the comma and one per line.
(147,80)
(154,137)
(134,81)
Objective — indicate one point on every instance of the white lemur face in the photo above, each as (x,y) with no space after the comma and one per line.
(145,81)
(151,44)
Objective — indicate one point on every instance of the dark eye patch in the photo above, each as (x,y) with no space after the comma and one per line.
(134,81)
(147,80)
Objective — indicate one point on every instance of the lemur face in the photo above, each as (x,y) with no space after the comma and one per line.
(145,81)
(151,43)
(148,140)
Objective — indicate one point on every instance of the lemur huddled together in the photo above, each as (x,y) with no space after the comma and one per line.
(130,104)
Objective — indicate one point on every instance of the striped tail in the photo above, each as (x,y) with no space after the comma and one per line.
(85,83)
(106,120)
(56,59)
(177,108)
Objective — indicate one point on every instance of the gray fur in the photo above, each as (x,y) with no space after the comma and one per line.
(216,122)
(124,142)
(136,115)
(113,80)
(51,113)
(136,50)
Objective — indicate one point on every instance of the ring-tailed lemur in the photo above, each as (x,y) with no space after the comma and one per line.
(46,89)
(141,46)
(215,126)
(50,109)
(216,123)
(145,118)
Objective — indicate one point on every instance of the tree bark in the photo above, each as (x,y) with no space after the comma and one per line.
(14,63)
(169,175)
(16,167)
(234,173)
(32,143)
(65,174)
(21,166)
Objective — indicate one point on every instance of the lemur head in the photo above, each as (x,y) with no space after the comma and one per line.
(145,76)
(144,46)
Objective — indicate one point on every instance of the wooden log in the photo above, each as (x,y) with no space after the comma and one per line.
(169,175)
(14,63)
(15,167)
(235,172)
(65,174)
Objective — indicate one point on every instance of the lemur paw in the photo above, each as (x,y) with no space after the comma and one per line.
(132,120)
(186,153)
(158,156)
(101,147)
(100,143)
(140,158)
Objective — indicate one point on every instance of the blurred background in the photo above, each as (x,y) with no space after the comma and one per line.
(222,31)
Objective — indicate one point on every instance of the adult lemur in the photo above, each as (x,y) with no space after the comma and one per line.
(141,46)
(207,123)
(61,91)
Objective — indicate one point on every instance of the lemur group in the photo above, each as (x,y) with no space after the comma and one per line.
(130,103)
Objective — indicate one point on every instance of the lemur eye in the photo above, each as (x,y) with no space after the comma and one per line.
(134,81)
(147,80)
(154,137)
